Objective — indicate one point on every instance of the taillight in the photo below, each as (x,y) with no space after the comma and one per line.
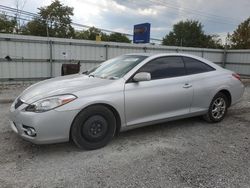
(237,76)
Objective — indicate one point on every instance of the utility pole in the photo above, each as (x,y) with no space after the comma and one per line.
(19,10)
(50,47)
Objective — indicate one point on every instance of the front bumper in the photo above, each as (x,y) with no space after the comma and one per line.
(51,127)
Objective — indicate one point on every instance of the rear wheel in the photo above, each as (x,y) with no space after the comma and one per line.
(93,128)
(217,109)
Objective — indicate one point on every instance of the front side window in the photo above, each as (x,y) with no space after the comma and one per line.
(165,67)
(117,67)
(194,66)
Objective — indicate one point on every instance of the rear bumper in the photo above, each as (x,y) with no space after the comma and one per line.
(51,127)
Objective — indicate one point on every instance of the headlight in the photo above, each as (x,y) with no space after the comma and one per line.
(50,103)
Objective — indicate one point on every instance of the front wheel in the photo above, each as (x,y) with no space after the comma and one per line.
(93,127)
(217,109)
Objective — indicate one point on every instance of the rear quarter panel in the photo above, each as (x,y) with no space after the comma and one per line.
(206,85)
(236,88)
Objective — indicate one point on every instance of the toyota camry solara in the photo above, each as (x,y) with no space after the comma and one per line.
(123,93)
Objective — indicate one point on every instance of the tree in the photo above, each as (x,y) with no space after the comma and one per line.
(190,34)
(81,35)
(118,37)
(7,25)
(92,32)
(35,27)
(240,38)
(54,20)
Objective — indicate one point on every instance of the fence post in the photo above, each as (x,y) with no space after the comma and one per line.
(224,58)
(50,58)
(106,51)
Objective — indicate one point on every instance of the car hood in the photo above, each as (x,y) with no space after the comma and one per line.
(61,85)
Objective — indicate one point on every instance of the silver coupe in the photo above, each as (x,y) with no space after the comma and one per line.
(123,93)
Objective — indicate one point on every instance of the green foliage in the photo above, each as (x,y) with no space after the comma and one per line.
(89,34)
(7,25)
(92,32)
(190,34)
(240,38)
(118,37)
(35,27)
(55,19)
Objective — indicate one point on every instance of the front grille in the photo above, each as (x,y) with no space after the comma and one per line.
(18,103)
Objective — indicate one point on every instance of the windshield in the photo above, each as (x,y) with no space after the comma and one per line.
(117,67)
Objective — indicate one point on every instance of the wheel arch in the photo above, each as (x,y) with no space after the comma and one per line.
(227,94)
(110,107)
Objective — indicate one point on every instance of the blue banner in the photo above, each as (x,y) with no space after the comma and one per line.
(141,33)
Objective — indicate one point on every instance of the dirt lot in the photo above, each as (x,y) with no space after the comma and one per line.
(184,153)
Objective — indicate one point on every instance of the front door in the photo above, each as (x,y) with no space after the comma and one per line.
(167,94)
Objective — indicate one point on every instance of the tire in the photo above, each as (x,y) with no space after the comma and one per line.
(217,109)
(93,127)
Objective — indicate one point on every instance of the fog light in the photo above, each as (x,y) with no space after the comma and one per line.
(31,132)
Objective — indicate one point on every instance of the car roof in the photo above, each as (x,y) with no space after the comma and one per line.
(163,54)
(156,55)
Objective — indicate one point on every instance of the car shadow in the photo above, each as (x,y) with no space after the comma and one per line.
(165,129)
(166,126)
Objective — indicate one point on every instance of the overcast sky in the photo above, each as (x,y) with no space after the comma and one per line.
(217,16)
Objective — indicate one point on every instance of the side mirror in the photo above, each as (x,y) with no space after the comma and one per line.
(142,76)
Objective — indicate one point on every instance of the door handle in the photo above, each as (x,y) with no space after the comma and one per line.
(187,85)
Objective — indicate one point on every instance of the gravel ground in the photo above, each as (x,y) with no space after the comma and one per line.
(184,153)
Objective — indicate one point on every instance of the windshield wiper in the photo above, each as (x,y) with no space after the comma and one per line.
(113,78)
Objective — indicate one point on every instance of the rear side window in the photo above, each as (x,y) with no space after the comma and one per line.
(194,66)
(165,67)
